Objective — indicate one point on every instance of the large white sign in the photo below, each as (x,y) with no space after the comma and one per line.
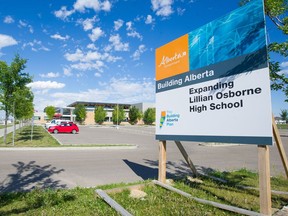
(215,86)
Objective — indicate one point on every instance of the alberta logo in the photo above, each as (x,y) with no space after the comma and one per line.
(170,117)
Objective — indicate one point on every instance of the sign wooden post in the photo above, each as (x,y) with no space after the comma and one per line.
(186,157)
(264,180)
(280,146)
(162,162)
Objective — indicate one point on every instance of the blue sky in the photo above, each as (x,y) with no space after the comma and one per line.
(103,50)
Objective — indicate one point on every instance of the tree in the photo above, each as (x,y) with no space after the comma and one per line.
(277,11)
(134,115)
(149,116)
(23,104)
(80,113)
(118,115)
(100,114)
(50,111)
(284,115)
(12,79)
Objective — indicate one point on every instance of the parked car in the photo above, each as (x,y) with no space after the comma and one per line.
(55,122)
(67,127)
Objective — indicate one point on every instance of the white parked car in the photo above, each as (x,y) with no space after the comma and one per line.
(55,122)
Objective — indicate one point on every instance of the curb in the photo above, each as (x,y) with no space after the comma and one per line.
(69,148)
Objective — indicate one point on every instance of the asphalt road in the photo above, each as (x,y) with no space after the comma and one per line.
(56,168)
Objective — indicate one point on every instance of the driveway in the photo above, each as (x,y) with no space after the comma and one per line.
(58,168)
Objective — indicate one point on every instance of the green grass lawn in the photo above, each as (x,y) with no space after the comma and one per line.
(3,126)
(40,138)
(159,201)
(282,126)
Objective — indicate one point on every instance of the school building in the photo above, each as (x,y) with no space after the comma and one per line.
(67,112)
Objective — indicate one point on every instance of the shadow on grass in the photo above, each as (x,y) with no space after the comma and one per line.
(25,135)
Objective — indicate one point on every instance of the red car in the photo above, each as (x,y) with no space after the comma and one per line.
(69,127)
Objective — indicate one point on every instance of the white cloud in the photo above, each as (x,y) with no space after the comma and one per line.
(132,32)
(46,85)
(181,11)
(284,72)
(141,49)
(149,20)
(91,60)
(117,44)
(96,5)
(63,13)
(59,37)
(23,24)
(6,40)
(109,58)
(96,34)
(129,26)
(92,46)
(50,75)
(90,56)
(77,56)
(35,46)
(97,74)
(83,66)
(8,20)
(162,7)
(284,68)
(106,6)
(67,72)
(284,64)
(87,23)
(121,90)
(118,24)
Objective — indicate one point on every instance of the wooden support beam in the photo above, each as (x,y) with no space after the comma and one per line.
(207,202)
(280,146)
(186,157)
(264,180)
(112,203)
(162,161)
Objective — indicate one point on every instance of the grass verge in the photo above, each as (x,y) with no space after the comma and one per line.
(43,139)
(282,126)
(40,138)
(82,201)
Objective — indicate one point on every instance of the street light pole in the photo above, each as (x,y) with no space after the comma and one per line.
(13,137)
(117,116)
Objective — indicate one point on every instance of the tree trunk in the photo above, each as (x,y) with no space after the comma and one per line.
(5,128)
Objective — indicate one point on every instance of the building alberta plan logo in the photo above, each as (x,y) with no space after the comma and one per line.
(168,118)
(162,119)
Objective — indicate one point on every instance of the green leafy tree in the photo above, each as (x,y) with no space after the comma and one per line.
(134,115)
(80,113)
(149,116)
(23,105)
(284,115)
(118,115)
(277,11)
(50,111)
(99,114)
(12,78)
